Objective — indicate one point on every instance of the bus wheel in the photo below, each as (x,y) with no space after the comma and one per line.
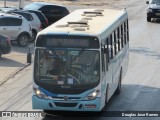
(106,97)
(148,19)
(118,90)
(47,111)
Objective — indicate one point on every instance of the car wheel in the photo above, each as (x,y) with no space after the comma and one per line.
(23,40)
(148,19)
(34,33)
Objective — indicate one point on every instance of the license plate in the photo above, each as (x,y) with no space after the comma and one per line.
(158,14)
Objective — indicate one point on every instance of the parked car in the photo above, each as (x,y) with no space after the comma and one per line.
(52,12)
(16,27)
(40,15)
(42,18)
(32,19)
(153,10)
(6,9)
(5,45)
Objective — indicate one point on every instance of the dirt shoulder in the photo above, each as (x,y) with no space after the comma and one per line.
(110,3)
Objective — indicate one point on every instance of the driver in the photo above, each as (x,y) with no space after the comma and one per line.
(56,67)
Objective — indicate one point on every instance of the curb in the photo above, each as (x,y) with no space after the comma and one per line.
(14,73)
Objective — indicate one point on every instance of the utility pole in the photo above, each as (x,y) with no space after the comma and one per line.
(5,3)
(21,4)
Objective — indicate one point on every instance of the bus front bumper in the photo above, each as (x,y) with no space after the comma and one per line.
(45,104)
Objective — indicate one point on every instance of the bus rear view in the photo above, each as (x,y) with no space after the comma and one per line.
(72,63)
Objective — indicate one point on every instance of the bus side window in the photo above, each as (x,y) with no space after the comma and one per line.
(111,47)
(107,52)
(103,57)
(118,37)
(115,42)
(127,31)
(122,36)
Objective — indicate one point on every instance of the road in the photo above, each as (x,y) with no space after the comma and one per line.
(140,87)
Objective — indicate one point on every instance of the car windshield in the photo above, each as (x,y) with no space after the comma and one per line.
(7,9)
(26,15)
(67,67)
(32,6)
(40,16)
(155,1)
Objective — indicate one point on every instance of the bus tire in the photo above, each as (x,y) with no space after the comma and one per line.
(106,97)
(118,90)
(148,19)
(47,111)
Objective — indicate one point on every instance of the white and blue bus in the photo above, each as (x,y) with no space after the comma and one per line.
(80,61)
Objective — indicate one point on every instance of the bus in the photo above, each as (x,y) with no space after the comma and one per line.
(80,61)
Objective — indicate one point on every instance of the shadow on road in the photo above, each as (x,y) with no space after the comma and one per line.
(20,49)
(16,48)
(145,51)
(132,98)
(5,62)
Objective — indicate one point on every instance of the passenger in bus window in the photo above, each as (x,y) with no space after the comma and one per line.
(45,63)
(76,62)
(56,67)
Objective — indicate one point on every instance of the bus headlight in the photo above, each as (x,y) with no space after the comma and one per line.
(92,95)
(39,93)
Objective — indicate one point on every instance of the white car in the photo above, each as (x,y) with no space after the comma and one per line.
(32,19)
(52,12)
(16,27)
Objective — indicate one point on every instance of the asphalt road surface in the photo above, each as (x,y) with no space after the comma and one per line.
(140,87)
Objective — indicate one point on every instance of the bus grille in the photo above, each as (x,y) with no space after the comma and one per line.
(59,104)
(156,10)
(69,98)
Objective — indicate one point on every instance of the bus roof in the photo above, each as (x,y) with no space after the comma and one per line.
(87,22)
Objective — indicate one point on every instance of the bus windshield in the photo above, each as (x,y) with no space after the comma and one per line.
(155,1)
(67,67)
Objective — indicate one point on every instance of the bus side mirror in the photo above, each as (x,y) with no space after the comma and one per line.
(29,57)
(29,54)
(107,59)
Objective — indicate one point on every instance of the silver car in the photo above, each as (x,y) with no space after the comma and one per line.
(32,19)
(16,27)
(153,10)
